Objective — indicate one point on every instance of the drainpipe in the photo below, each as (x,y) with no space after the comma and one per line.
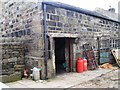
(98,40)
(45,38)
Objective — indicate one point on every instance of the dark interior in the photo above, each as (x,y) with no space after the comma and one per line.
(60,55)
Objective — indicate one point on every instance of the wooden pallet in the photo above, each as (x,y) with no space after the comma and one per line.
(116,54)
(89,54)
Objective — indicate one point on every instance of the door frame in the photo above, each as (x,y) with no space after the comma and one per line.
(68,53)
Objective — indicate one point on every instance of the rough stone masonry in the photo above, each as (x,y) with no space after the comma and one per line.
(29,31)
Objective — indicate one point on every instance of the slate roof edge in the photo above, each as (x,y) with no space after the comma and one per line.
(77,9)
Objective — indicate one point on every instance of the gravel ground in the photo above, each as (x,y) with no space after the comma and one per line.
(109,80)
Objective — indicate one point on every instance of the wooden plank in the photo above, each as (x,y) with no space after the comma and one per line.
(67,55)
(116,54)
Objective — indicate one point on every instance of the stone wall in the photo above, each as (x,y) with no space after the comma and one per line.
(88,28)
(22,22)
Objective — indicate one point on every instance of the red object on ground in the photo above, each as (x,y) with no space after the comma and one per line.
(84,64)
(80,65)
(26,72)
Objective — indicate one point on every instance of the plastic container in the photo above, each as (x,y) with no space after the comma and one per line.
(36,74)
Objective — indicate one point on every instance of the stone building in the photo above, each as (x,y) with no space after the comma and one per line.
(50,35)
(110,13)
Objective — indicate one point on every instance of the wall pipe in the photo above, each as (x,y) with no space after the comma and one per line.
(45,38)
(98,40)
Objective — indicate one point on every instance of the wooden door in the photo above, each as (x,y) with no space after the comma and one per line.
(69,54)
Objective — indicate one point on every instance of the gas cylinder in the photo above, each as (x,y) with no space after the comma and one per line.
(80,65)
(84,64)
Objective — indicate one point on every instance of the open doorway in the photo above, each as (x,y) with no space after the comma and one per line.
(64,55)
(60,55)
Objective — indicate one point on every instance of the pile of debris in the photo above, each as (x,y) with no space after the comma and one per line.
(106,66)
